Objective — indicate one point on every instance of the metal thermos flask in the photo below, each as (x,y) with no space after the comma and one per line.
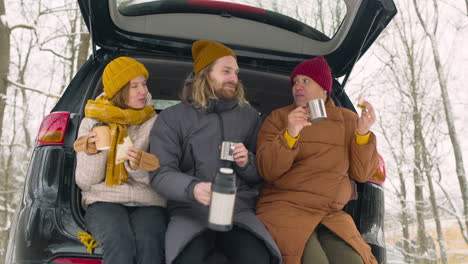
(223,197)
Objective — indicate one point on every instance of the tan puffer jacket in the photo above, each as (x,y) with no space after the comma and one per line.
(310,183)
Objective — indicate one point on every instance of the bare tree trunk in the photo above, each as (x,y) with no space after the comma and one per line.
(426,156)
(71,44)
(4,71)
(9,185)
(337,16)
(401,193)
(4,60)
(83,48)
(321,17)
(21,73)
(439,228)
(420,203)
(419,190)
(8,170)
(454,212)
(466,4)
(404,219)
(431,34)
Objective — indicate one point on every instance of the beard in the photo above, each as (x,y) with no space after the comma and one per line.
(226,93)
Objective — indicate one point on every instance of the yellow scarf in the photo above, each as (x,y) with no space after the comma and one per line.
(118,119)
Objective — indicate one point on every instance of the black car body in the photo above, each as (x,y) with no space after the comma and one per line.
(159,34)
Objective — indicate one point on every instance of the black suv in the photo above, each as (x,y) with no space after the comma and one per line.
(159,34)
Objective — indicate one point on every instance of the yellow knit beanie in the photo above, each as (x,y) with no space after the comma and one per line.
(204,52)
(119,72)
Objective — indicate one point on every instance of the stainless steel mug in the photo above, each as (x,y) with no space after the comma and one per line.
(227,150)
(317,110)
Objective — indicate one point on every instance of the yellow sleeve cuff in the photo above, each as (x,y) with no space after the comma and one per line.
(362,140)
(289,139)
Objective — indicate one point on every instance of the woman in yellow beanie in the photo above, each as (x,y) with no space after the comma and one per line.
(123,213)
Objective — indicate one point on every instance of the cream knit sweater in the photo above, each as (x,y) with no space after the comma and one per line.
(90,172)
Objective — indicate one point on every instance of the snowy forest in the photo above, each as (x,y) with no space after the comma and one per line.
(414,75)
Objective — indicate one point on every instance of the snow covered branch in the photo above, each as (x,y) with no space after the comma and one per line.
(23,26)
(22,86)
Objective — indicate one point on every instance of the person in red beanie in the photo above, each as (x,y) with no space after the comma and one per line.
(309,168)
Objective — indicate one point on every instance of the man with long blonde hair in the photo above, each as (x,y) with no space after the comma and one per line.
(187,140)
(200,87)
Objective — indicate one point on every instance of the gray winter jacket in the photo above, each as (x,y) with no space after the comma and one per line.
(187,143)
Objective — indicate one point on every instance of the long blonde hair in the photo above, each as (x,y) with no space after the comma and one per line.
(198,89)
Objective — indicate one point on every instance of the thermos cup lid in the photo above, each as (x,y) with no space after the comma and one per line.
(226,170)
(100,124)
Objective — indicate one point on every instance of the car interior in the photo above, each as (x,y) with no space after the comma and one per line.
(265,91)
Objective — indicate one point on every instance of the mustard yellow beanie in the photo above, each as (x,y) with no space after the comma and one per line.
(204,52)
(119,72)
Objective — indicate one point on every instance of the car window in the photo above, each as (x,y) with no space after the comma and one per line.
(161,104)
(322,15)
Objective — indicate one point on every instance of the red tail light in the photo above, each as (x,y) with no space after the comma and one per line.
(53,128)
(76,261)
(380,174)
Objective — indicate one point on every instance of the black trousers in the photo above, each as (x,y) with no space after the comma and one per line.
(237,246)
(127,234)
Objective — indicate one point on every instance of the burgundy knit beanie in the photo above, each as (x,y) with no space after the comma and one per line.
(318,70)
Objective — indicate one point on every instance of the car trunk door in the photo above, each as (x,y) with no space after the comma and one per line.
(171,26)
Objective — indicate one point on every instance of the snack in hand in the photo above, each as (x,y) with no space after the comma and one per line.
(360,103)
(121,154)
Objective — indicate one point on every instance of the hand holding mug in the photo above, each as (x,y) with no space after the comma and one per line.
(102,132)
(92,137)
(297,120)
(241,154)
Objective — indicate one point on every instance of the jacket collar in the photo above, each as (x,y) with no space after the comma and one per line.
(221,105)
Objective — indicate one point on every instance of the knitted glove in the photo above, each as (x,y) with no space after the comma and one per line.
(82,144)
(148,162)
